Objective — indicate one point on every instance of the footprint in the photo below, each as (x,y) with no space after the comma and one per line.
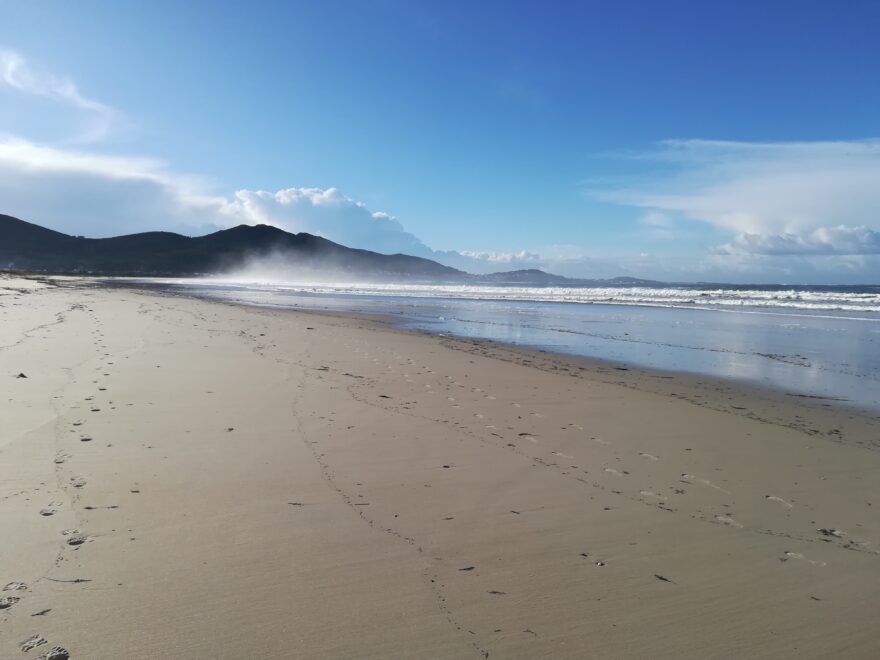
(561,455)
(57,653)
(616,473)
(599,441)
(649,493)
(727,520)
(15,586)
(650,457)
(51,509)
(798,555)
(77,482)
(8,601)
(32,643)
(77,539)
(779,500)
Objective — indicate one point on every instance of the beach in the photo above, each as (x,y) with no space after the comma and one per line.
(184,478)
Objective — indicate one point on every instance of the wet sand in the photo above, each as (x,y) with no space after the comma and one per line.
(180,479)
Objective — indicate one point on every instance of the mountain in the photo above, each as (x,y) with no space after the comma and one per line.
(527,277)
(29,247)
(26,246)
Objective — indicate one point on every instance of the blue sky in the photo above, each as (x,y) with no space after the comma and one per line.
(676,140)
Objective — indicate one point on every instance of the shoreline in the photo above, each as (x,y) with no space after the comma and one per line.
(830,380)
(626,374)
(186,478)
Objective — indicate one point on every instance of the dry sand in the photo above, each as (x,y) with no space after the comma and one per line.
(185,479)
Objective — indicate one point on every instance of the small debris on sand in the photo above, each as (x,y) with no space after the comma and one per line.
(827,531)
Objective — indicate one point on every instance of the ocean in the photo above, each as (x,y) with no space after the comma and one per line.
(819,342)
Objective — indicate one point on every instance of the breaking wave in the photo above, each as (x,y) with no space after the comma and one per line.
(864,301)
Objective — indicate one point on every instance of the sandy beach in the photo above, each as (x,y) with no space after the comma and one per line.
(188,479)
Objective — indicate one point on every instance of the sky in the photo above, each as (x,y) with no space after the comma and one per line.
(682,141)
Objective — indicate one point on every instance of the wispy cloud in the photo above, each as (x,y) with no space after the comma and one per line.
(18,75)
(774,198)
(101,195)
(659,225)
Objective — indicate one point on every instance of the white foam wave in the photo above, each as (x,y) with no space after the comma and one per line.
(743,299)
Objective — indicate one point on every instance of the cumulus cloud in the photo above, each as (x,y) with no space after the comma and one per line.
(328,213)
(804,197)
(18,75)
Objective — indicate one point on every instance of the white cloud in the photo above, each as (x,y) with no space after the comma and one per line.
(809,197)
(838,240)
(18,75)
(328,213)
(522,257)
(100,195)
